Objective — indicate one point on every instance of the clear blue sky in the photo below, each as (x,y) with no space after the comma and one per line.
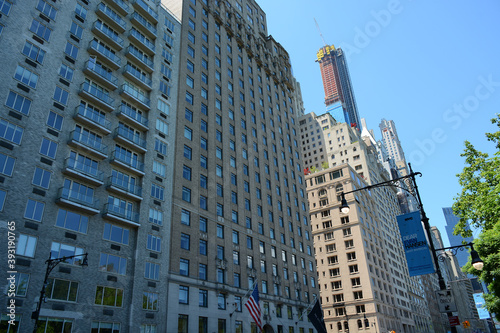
(432,67)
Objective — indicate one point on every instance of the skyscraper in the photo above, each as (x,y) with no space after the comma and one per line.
(87,120)
(239,206)
(391,142)
(339,95)
(451,222)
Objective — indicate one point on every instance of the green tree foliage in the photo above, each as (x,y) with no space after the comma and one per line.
(478,205)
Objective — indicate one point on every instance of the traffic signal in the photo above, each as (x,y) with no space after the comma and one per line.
(466,324)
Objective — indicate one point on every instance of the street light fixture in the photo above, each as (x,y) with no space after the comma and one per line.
(476,261)
(51,264)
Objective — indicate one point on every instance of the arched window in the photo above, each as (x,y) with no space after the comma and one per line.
(367,323)
(360,323)
(339,326)
(346,325)
(322,192)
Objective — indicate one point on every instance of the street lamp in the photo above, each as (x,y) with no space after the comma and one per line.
(344,208)
(51,264)
(476,261)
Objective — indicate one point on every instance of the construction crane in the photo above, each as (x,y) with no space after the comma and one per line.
(319,30)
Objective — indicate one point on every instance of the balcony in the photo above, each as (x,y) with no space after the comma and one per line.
(83,172)
(89,144)
(76,200)
(137,77)
(108,35)
(121,214)
(96,96)
(123,188)
(144,25)
(142,41)
(134,95)
(142,60)
(118,5)
(93,119)
(145,10)
(132,140)
(127,162)
(111,17)
(133,117)
(104,54)
(100,75)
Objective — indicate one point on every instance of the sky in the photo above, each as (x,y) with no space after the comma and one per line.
(433,67)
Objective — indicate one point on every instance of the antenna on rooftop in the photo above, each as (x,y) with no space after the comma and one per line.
(319,30)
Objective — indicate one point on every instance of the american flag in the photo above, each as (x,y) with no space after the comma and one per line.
(254,308)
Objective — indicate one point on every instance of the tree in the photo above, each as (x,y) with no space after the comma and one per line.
(478,206)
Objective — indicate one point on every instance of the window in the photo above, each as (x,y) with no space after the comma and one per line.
(113,264)
(220,231)
(152,271)
(185,240)
(5,7)
(221,302)
(41,178)
(203,247)
(202,272)
(188,133)
(184,267)
(203,224)
(183,295)
(157,191)
(59,250)
(186,194)
(18,103)
(182,323)
(112,232)
(34,210)
(61,95)
(47,9)
(76,30)
(55,120)
(63,290)
(22,280)
(48,148)
(154,243)
(185,217)
(25,76)
(26,245)
(40,30)
(10,132)
(71,50)
(186,172)
(203,298)
(6,165)
(187,152)
(155,216)
(150,301)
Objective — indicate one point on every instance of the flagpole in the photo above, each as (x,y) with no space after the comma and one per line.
(308,307)
(253,286)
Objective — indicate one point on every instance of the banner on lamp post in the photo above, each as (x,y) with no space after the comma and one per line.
(418,254)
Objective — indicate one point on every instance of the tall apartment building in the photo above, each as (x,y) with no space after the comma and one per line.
(360,259)
(86,144)
(339,94)
(239,210)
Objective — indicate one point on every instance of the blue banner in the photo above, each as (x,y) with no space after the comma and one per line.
(418,254)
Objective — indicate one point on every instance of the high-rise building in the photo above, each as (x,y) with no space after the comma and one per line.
(89,105)
(339,94)
(392,144)
(363,275)
(451,222)
(239,207)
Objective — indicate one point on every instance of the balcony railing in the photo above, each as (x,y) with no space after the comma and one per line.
(151,30)
(89,141)
(150,46)
(78,197)
(111,35)
(138,75)
(93,117)
(119,5)
(121,212)
(85,169)
(141,5)
(136,94)
(110,56)
(135,138)
(115,19)
(128,160)
(100,73)
(134,115)
(140,56)
(125,186)
(98,94)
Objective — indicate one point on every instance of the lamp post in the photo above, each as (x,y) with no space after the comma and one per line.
(51,264)
(344,208)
